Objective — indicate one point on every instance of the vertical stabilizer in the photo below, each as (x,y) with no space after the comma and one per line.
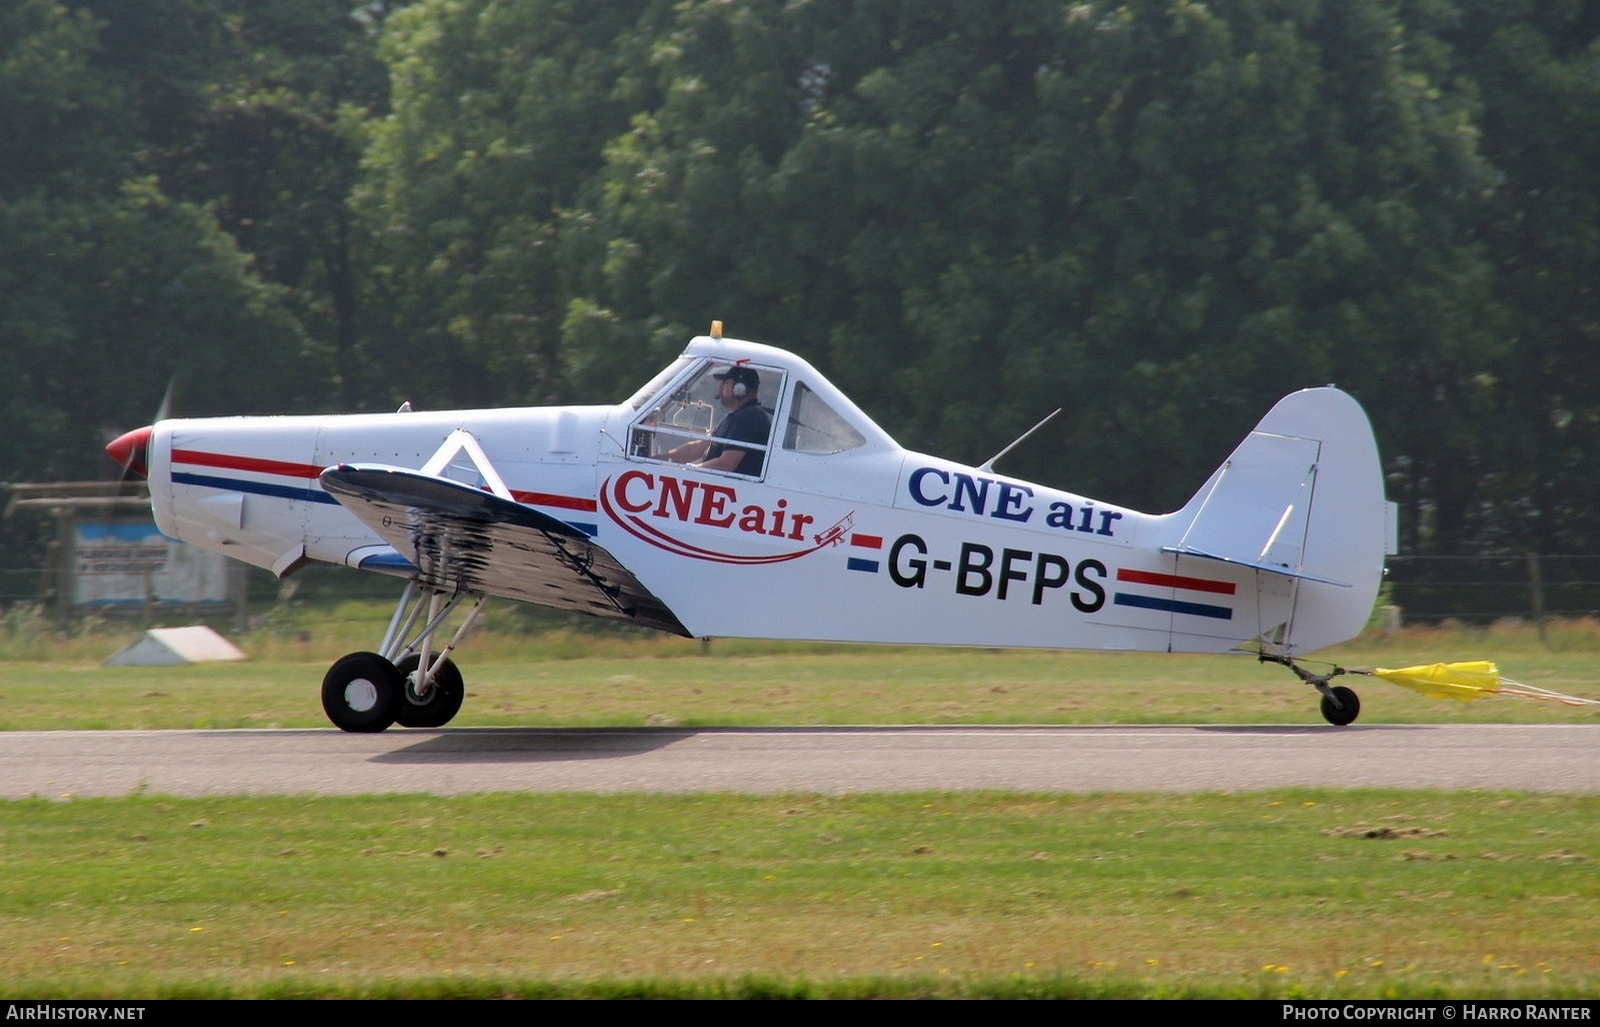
(1301,498)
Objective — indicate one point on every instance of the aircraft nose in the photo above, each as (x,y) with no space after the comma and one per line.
(131,451)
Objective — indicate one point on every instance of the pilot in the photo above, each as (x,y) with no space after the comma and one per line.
(746,421)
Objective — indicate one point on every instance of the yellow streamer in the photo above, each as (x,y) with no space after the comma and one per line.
(1462,681)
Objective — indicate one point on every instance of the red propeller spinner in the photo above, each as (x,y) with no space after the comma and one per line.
(131,451)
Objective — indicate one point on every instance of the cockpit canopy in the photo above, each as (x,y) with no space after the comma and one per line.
(804,412)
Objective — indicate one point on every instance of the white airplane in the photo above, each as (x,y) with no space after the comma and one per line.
(740,494)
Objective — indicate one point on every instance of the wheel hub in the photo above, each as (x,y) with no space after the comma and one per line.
(361,695)
(417,691)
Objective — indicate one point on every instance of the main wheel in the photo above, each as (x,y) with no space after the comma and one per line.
(361,692)
(430,706)
(1341,707)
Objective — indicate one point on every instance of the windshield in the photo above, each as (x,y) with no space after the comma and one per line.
(716,418)
(656,384)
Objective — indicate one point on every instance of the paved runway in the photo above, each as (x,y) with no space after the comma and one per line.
(1544,758)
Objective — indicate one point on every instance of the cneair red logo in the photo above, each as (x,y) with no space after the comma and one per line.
(652,507)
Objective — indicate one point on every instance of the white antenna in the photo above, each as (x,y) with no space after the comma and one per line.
(988,465)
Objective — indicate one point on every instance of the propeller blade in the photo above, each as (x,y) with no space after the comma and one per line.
(165,409)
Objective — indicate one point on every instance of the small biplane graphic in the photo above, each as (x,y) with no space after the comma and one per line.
(738,493)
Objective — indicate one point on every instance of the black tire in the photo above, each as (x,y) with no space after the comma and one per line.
(1345,710)
(361,693)
(441,702)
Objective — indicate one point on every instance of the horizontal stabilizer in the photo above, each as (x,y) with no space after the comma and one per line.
(1254,565)
(461,537)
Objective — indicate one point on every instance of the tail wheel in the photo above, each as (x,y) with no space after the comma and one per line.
(362,692)
(432,704)
(1340,706)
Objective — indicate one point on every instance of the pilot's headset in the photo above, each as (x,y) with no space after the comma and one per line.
(737,373)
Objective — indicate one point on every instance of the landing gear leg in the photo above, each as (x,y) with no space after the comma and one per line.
(1340,705)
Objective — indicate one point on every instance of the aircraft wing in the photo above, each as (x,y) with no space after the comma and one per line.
(461,537)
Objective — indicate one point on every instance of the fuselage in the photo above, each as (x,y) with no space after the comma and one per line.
(843,536)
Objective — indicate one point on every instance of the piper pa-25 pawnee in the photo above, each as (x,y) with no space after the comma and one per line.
(740,494)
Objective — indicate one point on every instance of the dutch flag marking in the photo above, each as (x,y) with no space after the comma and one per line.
(869,542)
(1178,583)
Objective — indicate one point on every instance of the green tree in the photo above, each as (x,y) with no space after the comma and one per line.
(115,288)
(255,108)
(1158,217)
(1536,69)
(501,111)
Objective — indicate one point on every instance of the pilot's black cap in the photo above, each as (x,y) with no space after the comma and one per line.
(740,376)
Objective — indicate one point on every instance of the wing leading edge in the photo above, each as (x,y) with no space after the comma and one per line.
(461,537)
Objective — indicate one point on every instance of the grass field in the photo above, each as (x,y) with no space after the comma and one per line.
(1297,893)
(569,677)
(1308,893)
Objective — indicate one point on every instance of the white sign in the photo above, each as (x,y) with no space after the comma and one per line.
(130,563)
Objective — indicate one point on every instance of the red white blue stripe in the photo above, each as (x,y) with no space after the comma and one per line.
(301,484)
(1178,593)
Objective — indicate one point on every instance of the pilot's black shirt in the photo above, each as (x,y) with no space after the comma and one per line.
(749,423)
